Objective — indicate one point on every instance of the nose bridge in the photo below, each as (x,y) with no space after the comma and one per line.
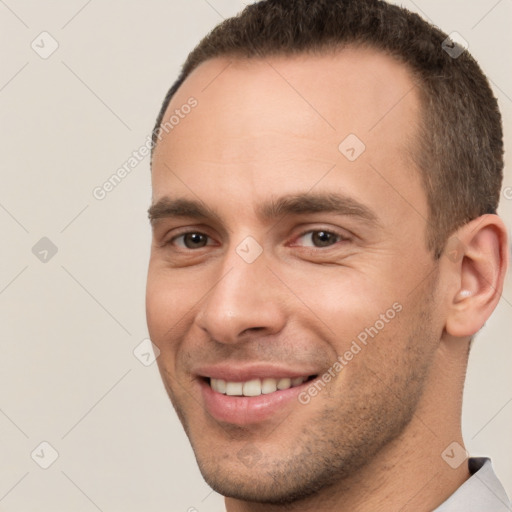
(243,298)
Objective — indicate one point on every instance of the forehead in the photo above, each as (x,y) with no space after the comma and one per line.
(288,120)
(349,88)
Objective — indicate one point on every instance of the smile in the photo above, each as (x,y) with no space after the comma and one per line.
(256,387)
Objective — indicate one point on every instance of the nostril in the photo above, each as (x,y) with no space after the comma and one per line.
(252,329)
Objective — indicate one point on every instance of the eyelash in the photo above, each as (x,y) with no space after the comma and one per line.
(339,236)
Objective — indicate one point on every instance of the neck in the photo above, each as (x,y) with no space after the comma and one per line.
(410,473)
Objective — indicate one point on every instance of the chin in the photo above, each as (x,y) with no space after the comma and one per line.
(255,487)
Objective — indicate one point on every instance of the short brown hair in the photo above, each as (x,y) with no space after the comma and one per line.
(460,147)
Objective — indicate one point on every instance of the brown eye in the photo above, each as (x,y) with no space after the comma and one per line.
(191,240)
(323,238)
(319,238)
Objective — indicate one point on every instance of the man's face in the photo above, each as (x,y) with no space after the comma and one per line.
(277,253)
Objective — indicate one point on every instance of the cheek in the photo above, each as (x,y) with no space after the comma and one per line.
(353,312)
(342,296)
(166,308)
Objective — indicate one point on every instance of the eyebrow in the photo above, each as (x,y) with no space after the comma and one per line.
(293,204)
(180,207)
(307,203)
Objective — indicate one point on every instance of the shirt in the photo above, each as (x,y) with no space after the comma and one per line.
(482,492)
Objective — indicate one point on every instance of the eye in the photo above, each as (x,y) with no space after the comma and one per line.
(192,240)
(318,238)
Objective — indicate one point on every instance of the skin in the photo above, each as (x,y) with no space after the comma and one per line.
(372,439)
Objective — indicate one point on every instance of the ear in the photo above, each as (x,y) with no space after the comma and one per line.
(476,258)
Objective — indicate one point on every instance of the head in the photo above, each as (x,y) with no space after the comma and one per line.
(323,219)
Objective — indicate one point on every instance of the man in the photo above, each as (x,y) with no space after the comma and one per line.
(325,176)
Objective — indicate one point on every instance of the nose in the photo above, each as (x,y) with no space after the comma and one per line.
(244,300)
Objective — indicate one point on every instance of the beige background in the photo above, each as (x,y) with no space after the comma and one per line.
(69,325)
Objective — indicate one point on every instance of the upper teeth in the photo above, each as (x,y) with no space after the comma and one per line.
(254,387)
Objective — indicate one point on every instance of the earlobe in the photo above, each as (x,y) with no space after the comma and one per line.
(477,274)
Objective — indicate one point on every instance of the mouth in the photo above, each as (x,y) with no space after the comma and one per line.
(249,399)
(256,387)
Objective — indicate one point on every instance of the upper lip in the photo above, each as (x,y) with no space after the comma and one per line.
(246,372)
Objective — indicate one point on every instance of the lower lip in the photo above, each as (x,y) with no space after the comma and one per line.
(245,410)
